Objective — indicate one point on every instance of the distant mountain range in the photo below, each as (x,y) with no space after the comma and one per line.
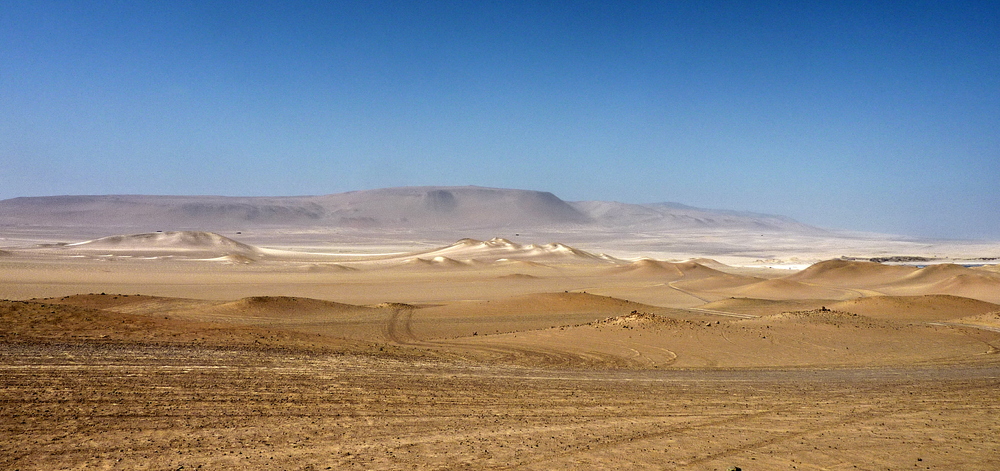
(438,208)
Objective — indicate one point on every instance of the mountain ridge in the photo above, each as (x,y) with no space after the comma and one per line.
(439,207)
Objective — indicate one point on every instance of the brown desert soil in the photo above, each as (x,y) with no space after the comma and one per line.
(119,362)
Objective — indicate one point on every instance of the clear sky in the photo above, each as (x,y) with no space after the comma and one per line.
(868,115)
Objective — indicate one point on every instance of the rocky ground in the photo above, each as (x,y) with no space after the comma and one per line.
(76,405)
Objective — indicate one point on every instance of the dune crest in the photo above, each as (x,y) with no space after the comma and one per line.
(195,244)
(503,250)
(838,272)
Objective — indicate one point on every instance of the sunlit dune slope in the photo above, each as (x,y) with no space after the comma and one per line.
(498,249)
(783,288)
(915,308)
(689,270)
(851,273)
(949,279)
(193,244)
(764,307)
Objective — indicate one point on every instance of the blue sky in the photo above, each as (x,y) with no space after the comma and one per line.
(872,116)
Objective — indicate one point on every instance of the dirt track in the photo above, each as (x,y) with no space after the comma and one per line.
(129,407)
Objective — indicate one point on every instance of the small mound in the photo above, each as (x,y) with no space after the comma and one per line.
(823,316)
(281,306)
(326,268)
(394,306)
(518,276)
(764,307)
(642,319)
(989,319)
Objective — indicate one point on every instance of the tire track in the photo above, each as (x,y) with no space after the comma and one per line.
(660,432)
(399,328)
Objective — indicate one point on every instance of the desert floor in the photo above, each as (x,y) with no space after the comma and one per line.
(187,351)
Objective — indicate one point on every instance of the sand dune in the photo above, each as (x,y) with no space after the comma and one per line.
(934,274)
(924,308)
(499,250)
(990,320)
(326,268)
(518,313)
(949,279)
(280,306)
(988,268)
(789,289)
(970,285)
(194,244)
(519,276)
(851,273)
(233,259)
(764,307)
(567,329)
(438,261)
(671,270)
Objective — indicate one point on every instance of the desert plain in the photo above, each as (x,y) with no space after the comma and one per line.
(551,343)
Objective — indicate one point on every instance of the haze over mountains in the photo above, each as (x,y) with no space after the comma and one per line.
(440,208)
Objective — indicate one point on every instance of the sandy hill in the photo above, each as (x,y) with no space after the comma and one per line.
(689,275)
(657,268)
(281,306)
(922,308)
(519,313)
(949,279)
(853,273)
(436,208)
(466,251)
(187,243)
(988,268)
(764,307)
(915,308)
(782,288)
(936,274)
